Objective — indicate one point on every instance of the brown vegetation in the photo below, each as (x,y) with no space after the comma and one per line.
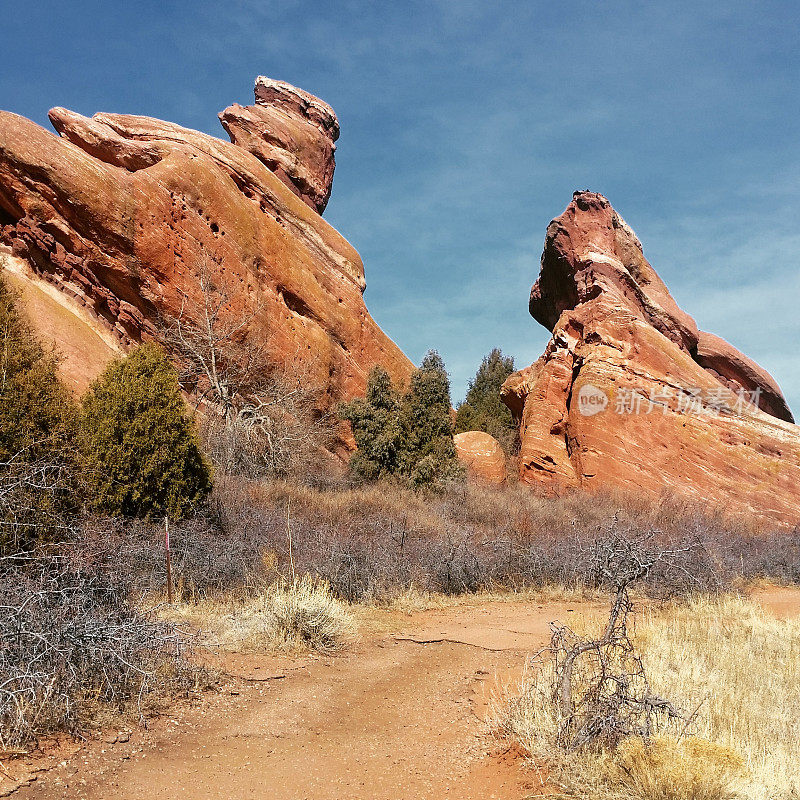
(373,542)
(723,658)
(72,645)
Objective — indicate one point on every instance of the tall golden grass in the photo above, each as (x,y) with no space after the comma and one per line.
(743,665)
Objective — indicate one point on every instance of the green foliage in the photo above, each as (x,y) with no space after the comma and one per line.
(37,424)
(376,427)
(429,455)
(36,410)
(408,436)
(140,450)
(482,409)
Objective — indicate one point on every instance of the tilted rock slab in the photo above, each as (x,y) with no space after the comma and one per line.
(124,214)
(630,394)
(292,133)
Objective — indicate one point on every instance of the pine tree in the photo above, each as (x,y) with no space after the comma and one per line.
(376,428)
(408,437)
(429,455)
(140,450)
(482,409)
(37,426)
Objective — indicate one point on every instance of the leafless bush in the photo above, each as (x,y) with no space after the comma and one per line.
(374,542)
(31,500)
(600,690)
(259,418)
(371,542)
(70,642)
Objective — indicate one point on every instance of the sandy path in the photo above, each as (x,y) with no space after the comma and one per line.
(400,716)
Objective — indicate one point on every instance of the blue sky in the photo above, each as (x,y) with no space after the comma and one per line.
(467,125)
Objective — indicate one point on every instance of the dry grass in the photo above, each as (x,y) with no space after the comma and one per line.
(667,768)
(725,655)
(295,615)
(413,600)
(744,665)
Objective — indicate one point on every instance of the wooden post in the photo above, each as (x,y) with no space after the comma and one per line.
(169,561)
(289,538)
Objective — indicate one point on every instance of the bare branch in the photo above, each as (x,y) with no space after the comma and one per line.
(257,419)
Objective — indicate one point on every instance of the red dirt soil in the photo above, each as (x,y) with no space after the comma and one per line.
(401,715)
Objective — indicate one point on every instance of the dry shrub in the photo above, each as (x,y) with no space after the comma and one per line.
(72,646)
(725,657)
(664,767)
(260,417)
(294,614)
(375,542)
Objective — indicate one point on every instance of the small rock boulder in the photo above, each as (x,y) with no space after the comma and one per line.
(482,455)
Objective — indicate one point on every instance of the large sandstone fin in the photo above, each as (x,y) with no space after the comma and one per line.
(630,394)
(125,214)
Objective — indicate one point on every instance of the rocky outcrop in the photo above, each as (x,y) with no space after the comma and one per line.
(482,456)
(292,133)
(630,394)
(126,214)
(83,344)
(736,371)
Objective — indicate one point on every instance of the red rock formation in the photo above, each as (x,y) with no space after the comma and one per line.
(123,214)
(84,345)
(736,371)
(630,394)
(292,133)
(482,455)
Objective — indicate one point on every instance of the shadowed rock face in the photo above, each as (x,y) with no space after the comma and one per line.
(125,213)
(629,393)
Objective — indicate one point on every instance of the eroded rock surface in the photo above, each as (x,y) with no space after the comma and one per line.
(125,214)
(482,455)
(293,133)
(630,394)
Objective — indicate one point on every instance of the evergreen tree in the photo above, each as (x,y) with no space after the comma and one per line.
(37,425)
(429,455)
(376,428)
(36,410)
(410,437)
(482,409)
(141,452)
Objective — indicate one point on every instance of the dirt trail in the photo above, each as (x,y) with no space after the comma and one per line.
(400,716)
